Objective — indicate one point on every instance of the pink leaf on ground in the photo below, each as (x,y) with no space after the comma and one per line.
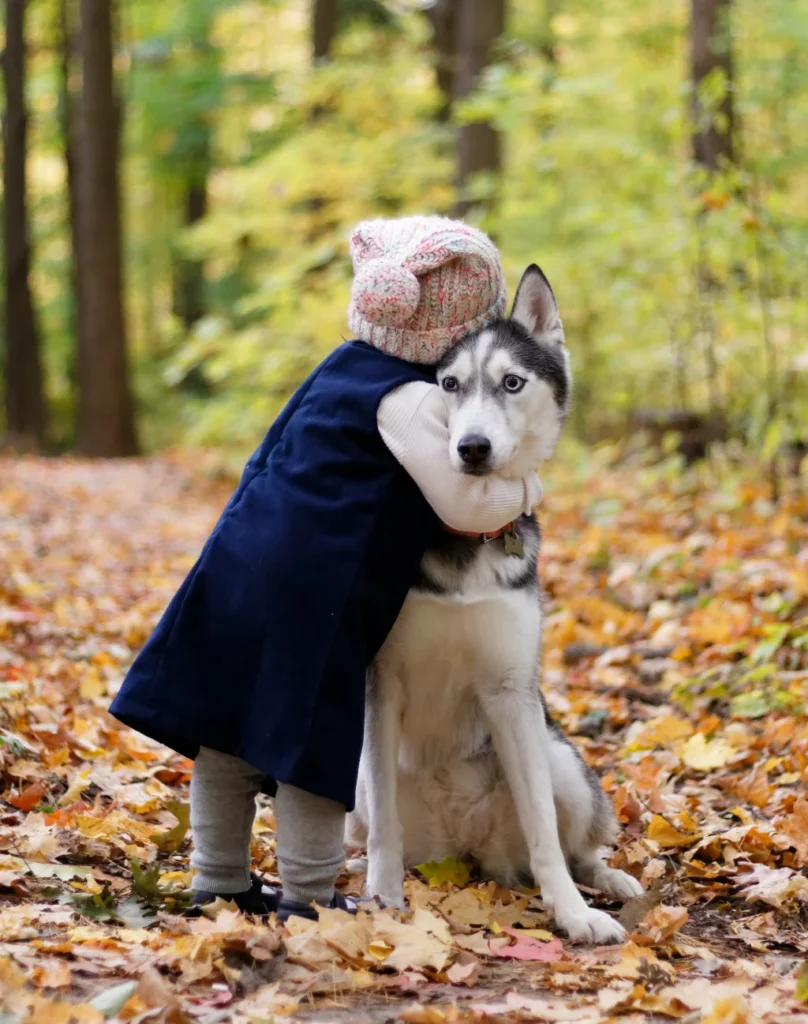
(526,948)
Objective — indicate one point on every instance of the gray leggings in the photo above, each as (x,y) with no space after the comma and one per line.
(310,842)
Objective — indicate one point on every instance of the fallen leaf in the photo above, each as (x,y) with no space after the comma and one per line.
(172,840)
(464,973)
(448,870)
(412,947)
(705,755)
(795,826)
(467,907)
(53,974)
(526,948)
(775,886)
(29,797)
(667,834)
(634,910)
(663,921)
(802,984)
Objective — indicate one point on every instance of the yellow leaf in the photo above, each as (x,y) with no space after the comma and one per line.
(447,870)
(80,782)
(379,950)
(635,960)
(92,685)
(731,1010)
(465,907)
(667,834)
(705,755)
(412,947)
(659,732)
(537,933)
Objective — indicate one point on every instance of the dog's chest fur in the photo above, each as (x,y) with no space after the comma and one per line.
(473,616)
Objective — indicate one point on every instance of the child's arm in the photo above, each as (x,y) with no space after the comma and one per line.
(414,425)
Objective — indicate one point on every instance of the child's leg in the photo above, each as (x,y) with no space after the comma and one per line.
(223,792)
(311,844)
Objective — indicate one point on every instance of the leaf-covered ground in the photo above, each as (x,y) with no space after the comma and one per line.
(676,655)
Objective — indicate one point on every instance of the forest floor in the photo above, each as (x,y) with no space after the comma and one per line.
(676,656)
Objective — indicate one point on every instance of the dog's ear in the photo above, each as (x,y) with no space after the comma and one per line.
(535,308)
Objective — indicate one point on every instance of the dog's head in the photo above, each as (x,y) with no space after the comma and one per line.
(507,386)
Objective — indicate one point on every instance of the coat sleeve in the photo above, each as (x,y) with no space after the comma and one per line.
(413,423)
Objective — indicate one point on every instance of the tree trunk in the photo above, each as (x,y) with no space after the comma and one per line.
(105,415)
(547,43)
(25,405)
(443,18)
(478,24)
(69,121)
(194,170)
(189,273)
(711,50)
(323,28)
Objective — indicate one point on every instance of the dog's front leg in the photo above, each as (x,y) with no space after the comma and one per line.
(520,737)
(385,877)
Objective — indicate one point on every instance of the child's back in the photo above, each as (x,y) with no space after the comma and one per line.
(299,585)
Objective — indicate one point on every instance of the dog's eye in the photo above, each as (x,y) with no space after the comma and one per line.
(513,383)
(449,384)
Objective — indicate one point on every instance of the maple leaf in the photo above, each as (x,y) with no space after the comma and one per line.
(99,906)
(448,870)
(667,834)
(775,886)
(634,910)
(29,797)
(706,755)
(172,840)
(526,947)
(795,826)
(423,943)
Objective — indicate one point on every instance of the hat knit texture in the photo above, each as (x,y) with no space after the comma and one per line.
(421,284)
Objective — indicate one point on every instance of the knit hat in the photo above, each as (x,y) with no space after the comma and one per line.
(421,284)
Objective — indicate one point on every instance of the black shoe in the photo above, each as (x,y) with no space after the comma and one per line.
(259,900)
(291,908)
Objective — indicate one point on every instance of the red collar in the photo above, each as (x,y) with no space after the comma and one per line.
(484,538)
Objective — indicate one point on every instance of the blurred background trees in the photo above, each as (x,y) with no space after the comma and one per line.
(180,180)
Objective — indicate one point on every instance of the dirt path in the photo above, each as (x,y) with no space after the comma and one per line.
(676,655)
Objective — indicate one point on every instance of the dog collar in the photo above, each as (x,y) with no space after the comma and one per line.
(483,538)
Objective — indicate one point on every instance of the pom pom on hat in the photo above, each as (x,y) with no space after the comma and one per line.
(385,293)
(421,284)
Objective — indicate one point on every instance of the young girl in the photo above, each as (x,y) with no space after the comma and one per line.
(257,668)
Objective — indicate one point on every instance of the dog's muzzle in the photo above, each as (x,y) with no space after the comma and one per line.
(474,451)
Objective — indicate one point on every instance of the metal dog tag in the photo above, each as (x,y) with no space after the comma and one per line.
(514,545)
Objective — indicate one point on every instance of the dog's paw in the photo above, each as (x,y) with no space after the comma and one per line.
(386,894)
(592,926)
(386,883)
(618,884)
(357,865)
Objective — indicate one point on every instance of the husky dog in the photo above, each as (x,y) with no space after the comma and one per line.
(460,756)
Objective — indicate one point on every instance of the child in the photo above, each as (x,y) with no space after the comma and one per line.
(257,668)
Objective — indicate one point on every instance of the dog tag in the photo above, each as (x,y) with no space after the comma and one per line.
(514,545)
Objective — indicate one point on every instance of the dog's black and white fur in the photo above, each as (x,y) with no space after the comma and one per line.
(460,756)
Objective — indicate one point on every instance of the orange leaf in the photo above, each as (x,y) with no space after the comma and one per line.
(667,834)
(795,826)
(52,974)
(29,797)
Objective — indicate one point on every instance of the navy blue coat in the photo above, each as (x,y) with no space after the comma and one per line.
(262,652)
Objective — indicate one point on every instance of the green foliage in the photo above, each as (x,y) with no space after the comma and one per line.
(658,270)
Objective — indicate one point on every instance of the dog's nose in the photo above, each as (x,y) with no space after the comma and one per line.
(474,449)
